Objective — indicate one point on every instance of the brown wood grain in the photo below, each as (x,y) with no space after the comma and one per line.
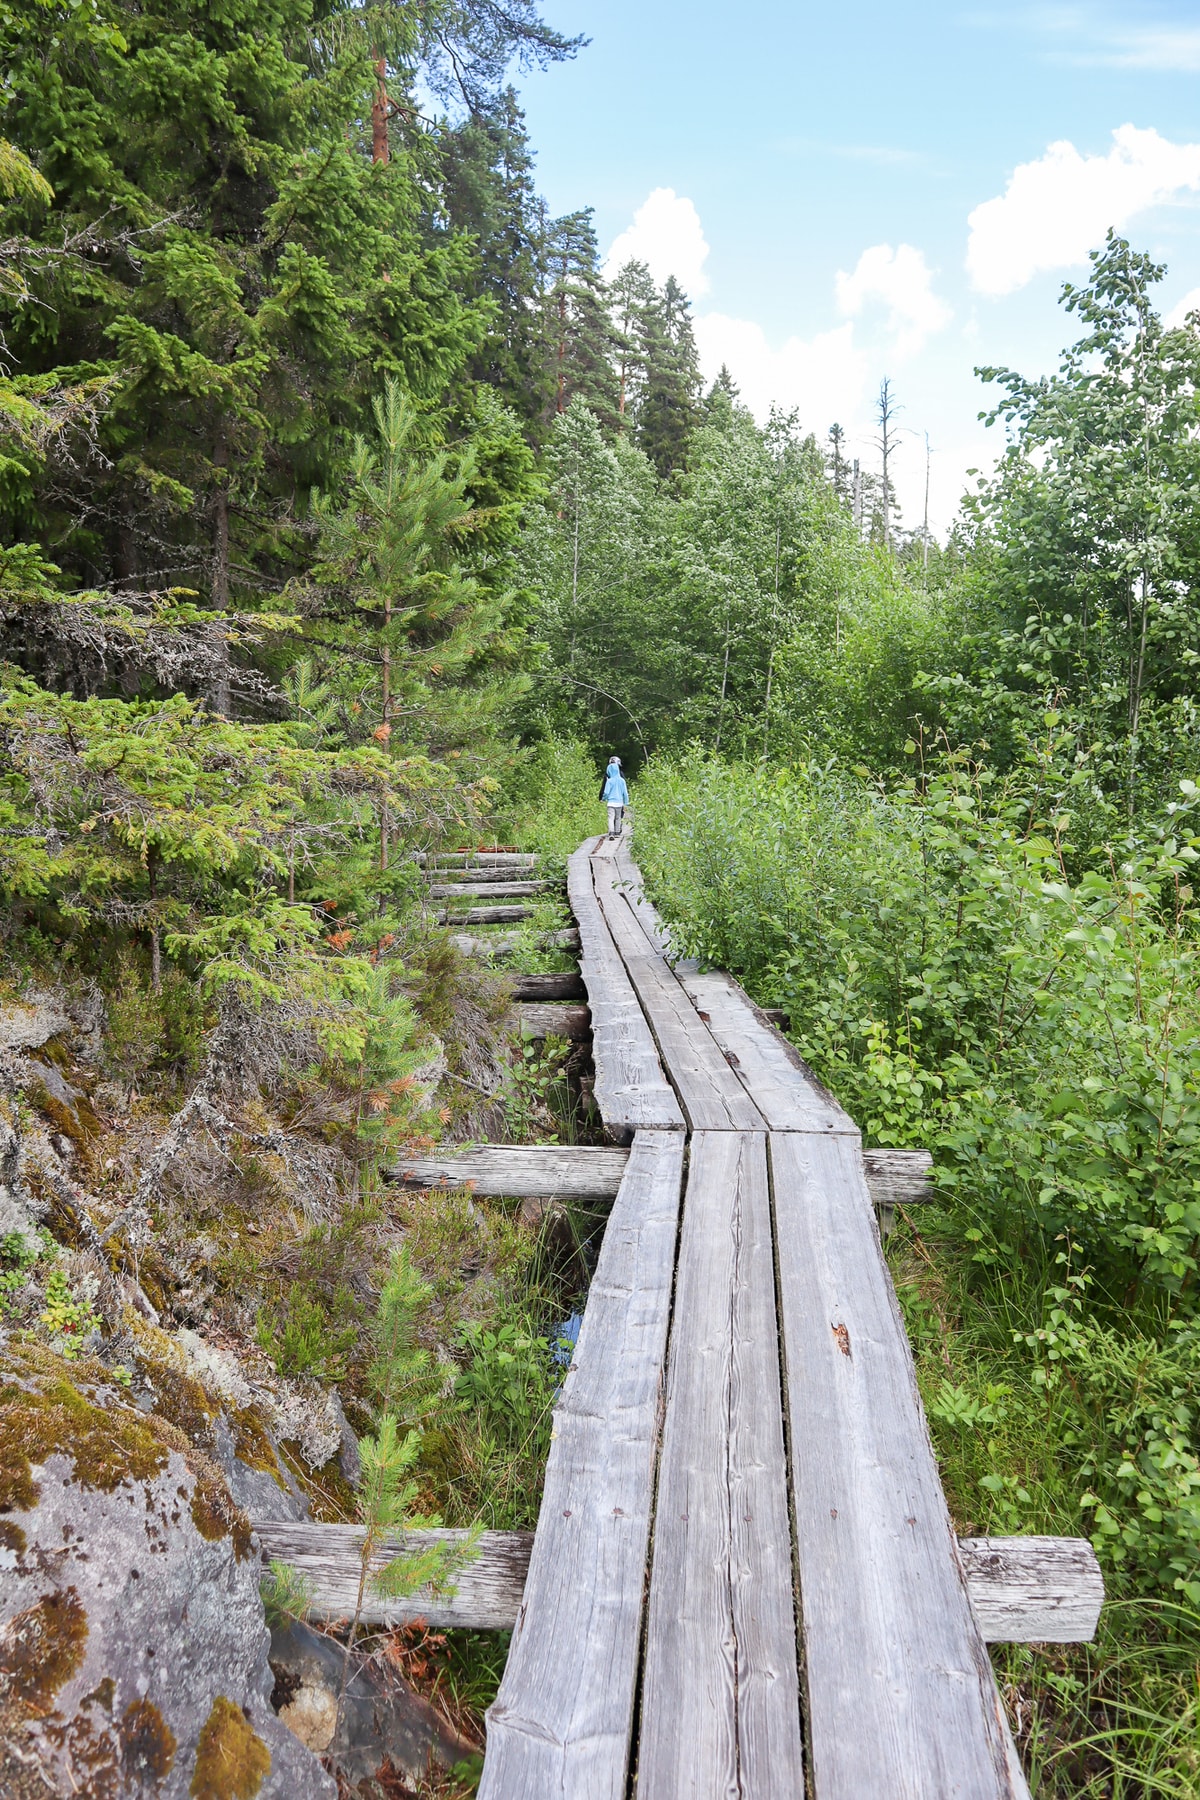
(565,986)
(542,1019)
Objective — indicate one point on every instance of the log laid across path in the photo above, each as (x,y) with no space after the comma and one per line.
(745,1583)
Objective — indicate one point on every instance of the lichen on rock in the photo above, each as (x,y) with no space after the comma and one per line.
(133,1647)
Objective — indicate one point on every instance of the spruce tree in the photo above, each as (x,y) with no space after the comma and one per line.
(723,388)
(668,412)
(579,333)
(241,268)
(489,192)
(632,298)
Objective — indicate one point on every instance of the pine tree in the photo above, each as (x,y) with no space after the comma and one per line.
(840,472)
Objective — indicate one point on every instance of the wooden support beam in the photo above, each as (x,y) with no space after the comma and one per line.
(477,859)
(1033,1590)
(485,890)
(503,943)
(537,1171)
(543,1020)
(1027,1590)
(567,986)
(486,1597)
(898,1177)
(474,872)
(484,915)
(565,1170)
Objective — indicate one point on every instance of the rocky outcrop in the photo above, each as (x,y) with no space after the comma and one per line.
(133,1648)
(385,1726)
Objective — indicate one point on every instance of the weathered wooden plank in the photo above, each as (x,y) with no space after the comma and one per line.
(578,1171)
(328,1557)
(1033,1589)
(1022,1590)
(901,1696)
(630,878)
(512,876)
(898,1177)
(509,943)
(566,986)
(485,890)
(542,1019)
(483,915)
(783,1087)
(539,1171)
(477,859)
(720,1713)
(560,1726)
(711,1094)
(630,1089)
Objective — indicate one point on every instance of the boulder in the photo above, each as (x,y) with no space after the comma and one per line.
(386,1727)
(133,1646)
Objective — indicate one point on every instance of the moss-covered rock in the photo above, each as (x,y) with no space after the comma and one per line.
(133,1648)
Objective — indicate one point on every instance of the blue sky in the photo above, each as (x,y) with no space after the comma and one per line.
(816,169)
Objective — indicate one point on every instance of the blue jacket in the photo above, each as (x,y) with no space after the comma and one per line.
(615,791)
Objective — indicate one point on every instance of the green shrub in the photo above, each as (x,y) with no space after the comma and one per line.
(509,1382)
(968,977)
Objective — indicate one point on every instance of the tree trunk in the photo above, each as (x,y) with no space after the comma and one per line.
(152,860)
(219,697)
(380,148)
(220,549)
(559,404)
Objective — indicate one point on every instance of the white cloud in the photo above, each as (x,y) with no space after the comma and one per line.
(1156,47)
(1178,314)
(899,280)
(668,237)
(824,376)
(1056,209)
(1087,39)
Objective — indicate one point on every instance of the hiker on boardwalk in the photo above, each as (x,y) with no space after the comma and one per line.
(615,795)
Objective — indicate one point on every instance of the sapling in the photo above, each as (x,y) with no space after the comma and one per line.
(405,1383)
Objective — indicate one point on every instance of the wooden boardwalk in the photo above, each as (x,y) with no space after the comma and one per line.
(744,1583)
(745,1580)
